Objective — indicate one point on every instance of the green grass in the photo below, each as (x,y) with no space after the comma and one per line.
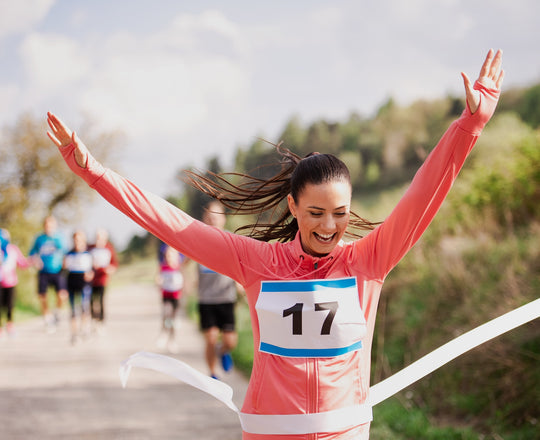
(450,405)
(397,421)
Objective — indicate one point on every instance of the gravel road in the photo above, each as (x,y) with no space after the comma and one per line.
(50,389)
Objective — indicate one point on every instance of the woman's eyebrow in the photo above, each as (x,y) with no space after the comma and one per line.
(322,209)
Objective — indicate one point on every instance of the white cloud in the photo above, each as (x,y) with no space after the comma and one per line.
(52,62)
(20,16)
(198,84)
(190,80)
(169,82)
(8,97)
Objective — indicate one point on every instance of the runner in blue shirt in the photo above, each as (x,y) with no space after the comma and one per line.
(48,256)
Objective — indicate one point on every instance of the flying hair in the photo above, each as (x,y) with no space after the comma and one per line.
(265,197)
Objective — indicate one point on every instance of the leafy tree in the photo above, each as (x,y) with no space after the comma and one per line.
(507,183)
(294,134)
(34,181)
(529,108)
(323,137)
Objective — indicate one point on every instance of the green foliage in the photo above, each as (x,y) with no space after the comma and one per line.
(140,247)
(529,108)
(479,259)
(397,421)
(446,287)
(34,180)
(243,353)
(505,178)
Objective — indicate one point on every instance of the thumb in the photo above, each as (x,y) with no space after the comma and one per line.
(466,82)
(473,100)
(80,150)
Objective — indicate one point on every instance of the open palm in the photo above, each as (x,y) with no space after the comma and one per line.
(491,76)
(62,136)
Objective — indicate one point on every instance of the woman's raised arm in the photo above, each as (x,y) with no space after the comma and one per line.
(170,224)
(385,247)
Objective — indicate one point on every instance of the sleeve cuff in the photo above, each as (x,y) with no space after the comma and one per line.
(474,123)
(93,170)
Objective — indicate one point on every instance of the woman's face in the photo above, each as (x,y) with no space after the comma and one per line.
(79,241)
(322,212)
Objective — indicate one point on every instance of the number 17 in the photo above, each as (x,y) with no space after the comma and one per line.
(296,312)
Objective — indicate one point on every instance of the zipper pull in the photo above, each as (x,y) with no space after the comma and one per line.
(316,265)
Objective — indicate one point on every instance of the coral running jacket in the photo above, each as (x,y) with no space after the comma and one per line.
(312,336)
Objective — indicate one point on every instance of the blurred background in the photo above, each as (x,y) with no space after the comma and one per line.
(157,87)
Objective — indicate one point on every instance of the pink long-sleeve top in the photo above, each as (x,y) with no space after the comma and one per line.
(12,260)
(306,385)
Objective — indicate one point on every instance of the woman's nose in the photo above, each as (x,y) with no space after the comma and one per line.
(328,223)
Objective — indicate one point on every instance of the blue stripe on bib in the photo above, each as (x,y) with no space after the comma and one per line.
(308,352)
(307,285)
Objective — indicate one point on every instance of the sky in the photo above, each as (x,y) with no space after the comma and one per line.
(187,81)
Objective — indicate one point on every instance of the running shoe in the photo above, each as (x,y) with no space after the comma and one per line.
(173,347)
(50,325)
(161,341)
(226,361)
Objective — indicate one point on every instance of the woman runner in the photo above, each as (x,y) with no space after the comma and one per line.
(312,296)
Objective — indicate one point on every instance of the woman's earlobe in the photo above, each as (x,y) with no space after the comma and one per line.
(292,205)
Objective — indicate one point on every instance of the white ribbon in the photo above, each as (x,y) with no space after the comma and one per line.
(451,350)
(331,421)
(179,370)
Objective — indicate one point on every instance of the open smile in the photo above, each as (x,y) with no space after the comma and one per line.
(324,238)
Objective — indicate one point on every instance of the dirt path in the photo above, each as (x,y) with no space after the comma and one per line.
(50,389)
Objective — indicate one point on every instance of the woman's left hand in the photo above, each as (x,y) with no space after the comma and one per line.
(491,76)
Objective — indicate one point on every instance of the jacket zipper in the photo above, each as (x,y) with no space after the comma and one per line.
(312,382)
(312,392)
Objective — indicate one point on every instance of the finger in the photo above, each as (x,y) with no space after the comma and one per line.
(499,81)
(53,123)
(54,139)
(52,119)
(60,125)
(466,83)
(496,64)
(52,126)
(484,71)
(472,99)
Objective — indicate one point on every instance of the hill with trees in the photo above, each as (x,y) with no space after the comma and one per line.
(479,258)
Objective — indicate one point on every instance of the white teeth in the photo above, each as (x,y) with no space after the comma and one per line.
(326,237)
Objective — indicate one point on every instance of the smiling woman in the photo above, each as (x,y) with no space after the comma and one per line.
(312,297)
(322,213)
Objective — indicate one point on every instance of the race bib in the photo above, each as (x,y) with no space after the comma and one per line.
(311,318)
(102,257)
(171,281)
(79,262)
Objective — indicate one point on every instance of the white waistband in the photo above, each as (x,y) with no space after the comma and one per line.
(289,424)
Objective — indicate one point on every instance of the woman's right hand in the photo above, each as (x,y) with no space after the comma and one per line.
(62,136)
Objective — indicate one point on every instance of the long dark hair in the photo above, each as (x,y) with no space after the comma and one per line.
(266,197)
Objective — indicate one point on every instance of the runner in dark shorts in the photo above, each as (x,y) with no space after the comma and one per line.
(217,315)
(47,254)
(217,298)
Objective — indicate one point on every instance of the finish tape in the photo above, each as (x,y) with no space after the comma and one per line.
(379,392)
